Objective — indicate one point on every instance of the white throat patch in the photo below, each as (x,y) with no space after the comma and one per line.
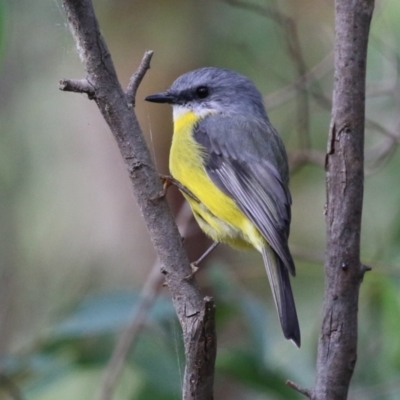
(179,111)
(201,112)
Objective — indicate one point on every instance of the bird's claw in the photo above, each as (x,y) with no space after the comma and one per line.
(194,268)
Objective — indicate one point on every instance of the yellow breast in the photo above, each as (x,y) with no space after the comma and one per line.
(185,160)
(217,214)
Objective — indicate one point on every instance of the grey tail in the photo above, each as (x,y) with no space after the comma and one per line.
(278,276)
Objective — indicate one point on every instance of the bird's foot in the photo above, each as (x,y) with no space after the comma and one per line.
(168,180)
(194,267)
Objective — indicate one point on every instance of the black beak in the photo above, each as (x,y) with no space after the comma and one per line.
(163,97)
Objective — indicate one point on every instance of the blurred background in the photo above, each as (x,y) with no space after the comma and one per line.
(75,254)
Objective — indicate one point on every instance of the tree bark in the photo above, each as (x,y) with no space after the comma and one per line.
(195,313)
(337,349)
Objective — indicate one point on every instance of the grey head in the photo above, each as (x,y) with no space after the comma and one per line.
(209,90)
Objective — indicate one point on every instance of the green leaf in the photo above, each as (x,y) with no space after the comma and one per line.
(107,313)
(83,383)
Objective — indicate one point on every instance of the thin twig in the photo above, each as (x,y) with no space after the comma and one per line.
(298,159)
(293,46)
(382,89)
(376,126)
(130,334)
(77,86)
(380,154)
(281,96)
(137,77)
(12,389)
(302,104)
(264,11)
(299,389)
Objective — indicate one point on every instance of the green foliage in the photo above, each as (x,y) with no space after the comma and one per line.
(69,227)
(74,354)
(3,16)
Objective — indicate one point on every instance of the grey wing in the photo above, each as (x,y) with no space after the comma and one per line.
(248,167)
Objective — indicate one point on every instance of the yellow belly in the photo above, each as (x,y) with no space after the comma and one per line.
(217,214)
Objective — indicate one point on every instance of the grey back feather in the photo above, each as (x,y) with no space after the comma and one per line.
(245,158)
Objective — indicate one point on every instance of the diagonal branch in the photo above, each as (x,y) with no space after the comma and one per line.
(317,72)
(196,314)
(10,387)
(129,335)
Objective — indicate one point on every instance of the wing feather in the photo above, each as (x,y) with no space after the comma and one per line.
(251,171)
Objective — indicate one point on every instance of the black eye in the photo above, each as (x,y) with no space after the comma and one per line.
(202,92)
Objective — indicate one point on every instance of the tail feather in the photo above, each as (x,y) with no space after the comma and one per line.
(278,276)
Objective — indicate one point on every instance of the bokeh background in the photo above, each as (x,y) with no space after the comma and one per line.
(74,252)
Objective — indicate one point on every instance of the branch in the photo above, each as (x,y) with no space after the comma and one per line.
(337,348)
(281,96)
(299,158)
(293,46)
(299,389)
(130,333)
(9,386)
(194,313)
(77,86)
(137,77)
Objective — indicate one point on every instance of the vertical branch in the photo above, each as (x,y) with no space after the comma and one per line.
(337,349)
(196,314)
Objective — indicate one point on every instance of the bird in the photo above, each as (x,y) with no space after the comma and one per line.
(232,167)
